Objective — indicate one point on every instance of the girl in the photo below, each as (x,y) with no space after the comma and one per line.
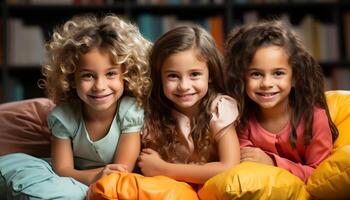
(190,124)
(95,68)
(284,117)
(97,74)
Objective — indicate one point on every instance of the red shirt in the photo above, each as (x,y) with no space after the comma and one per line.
(300,161)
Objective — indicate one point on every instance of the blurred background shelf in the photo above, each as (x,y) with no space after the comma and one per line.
(25,25)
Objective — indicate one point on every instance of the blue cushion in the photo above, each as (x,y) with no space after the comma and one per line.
(27,177)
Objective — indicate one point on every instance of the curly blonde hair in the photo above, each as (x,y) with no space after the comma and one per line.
(81,34)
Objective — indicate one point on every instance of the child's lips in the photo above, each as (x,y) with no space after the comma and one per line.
(99,97)
(184,97)
(267,94)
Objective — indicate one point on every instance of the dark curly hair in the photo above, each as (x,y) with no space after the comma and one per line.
(308,79)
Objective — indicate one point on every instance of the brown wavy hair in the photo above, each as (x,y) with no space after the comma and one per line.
(82,33)
(160,127)
(308,79)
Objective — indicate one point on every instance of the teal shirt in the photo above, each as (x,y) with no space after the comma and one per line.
(66,122)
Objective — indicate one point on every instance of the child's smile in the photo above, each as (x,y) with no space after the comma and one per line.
(269,77)
(100,97)
(185,80)
(99,82)
(267,95)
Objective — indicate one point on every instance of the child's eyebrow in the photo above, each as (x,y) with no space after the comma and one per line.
(253,69)
(115,67)
(84,70)
(170,71)
(274,69)
(196,69)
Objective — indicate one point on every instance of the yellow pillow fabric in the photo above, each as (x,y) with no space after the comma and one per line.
(250,180)
(338,102)
(121,185)
(331,179)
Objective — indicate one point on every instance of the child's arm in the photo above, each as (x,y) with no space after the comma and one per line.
(310,157)
(320,147)
(255,154)
(128,150)
(63,162)
(228,150)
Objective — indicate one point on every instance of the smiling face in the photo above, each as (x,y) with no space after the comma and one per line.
(185,80)
(98,82)
(269,78)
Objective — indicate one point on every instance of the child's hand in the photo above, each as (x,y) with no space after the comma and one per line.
(150,163)
(255,155)
(110,168)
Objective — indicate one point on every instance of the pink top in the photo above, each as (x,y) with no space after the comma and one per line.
(224,113)
(300,161)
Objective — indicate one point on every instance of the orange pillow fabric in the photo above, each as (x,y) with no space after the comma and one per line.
(120,185)
(24,127)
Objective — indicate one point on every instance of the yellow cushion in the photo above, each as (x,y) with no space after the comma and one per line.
(338,102)
(331,179)
(134,186)
(250,180)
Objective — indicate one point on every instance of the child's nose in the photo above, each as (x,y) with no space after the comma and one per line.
(184,84)
(267,82)
(100,84)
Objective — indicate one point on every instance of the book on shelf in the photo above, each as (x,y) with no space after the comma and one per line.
(346,27)
(178,2)
(148,26)
(1,42)
(341,78)
(15,89)
(60,2)
(51,2)
(153,26)
(319,38)
(25,44)
(216,28)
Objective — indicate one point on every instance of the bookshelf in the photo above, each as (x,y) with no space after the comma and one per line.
(327,19)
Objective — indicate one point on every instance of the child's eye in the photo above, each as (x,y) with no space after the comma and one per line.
(279,73)
(87,76)
(196,74)
(255,74)
(172,76)
(111,74)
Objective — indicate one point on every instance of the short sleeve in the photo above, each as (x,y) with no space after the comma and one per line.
(63,120)
(224,113)
(133,118)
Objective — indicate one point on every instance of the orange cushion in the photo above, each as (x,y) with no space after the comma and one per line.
(24,127)
(121,185)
